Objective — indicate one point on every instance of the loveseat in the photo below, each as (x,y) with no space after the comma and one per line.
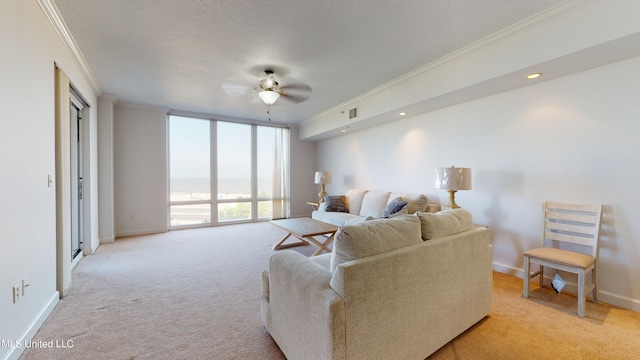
(360,205)
(397,288)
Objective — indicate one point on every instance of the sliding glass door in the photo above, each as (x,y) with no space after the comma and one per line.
(242,163)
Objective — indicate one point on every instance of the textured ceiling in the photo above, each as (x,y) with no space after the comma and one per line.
(178,53)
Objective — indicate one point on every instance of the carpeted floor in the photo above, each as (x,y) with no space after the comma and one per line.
(195,294)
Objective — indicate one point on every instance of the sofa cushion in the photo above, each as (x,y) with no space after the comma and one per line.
(356,220)
(374,203)
(335,203)
(443,223)
(394,206)
(417,202)
(354,200)
(323,260)
(335,218)
(374,237)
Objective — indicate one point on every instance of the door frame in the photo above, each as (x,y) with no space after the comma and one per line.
(63,95)
(77,159)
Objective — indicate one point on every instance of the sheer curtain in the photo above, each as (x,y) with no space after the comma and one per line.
(281,175)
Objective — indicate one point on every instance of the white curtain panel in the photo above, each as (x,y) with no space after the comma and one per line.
(281,175)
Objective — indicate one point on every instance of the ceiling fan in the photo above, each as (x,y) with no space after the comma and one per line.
(269,90)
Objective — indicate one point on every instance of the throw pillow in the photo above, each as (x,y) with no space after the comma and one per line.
(417,202)
(403,211)
(335,203)
(354,200)
(374,237)
(373,203)
(443,223)
(393,207)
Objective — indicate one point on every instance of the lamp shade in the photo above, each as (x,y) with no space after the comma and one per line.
(453,178)
(323,177)
(268,96)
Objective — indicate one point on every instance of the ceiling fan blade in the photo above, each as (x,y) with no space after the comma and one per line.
(295,92)
(294,98)
(255,99)
(298,87)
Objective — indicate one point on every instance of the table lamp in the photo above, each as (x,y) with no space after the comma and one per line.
(453,179)
(323,178)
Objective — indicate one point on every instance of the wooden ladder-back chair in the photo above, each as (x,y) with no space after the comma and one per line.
(570,223)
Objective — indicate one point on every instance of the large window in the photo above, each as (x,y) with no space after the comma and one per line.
(189,174)
(245,165)
(266,160)
(234,171)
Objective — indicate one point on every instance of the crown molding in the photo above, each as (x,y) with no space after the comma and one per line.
(193,114)
(543,17)
(144,107)
(52,13)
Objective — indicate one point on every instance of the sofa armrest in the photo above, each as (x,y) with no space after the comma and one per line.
(303,306)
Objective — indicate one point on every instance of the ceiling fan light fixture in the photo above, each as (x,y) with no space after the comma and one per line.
(268,82)
(268,96)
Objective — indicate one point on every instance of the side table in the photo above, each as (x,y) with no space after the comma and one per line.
(313,204)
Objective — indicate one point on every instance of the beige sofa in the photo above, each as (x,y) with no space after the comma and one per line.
(384,292)
(365,204)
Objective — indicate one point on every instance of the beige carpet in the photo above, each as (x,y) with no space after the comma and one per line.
(195,294)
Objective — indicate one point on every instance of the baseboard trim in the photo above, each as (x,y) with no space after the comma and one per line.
(107,240)
(92,250)
(571,287)
(140,232)
(619,301)
(506,269)
(33,328)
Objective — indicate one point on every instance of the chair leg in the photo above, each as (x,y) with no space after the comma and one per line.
(541,278)
(526,278)
(594,280)
(581,294)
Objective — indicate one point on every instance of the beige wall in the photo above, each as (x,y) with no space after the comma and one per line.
(140,169)
(303,168)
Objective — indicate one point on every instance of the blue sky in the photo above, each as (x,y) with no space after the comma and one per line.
(190,151)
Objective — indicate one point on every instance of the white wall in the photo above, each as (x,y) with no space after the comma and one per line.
(569,139)
(30,47)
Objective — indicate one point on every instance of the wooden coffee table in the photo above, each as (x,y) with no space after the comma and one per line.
(305,229)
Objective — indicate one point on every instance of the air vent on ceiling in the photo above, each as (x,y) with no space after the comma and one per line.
(353,113)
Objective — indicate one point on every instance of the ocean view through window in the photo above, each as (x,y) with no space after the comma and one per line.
(243,163)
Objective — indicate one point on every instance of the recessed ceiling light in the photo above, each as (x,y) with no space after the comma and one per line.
(533,76)
(403,113)
(343,130)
